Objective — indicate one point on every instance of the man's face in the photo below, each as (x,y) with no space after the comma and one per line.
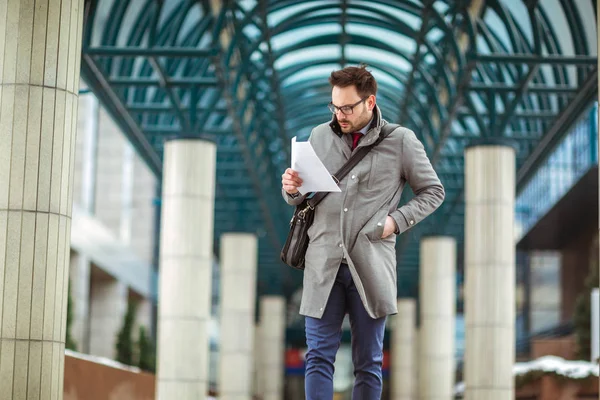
(361,113)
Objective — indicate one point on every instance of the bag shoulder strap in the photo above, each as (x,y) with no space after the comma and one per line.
(351,163)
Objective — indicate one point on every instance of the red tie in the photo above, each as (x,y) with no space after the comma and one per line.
(355,138)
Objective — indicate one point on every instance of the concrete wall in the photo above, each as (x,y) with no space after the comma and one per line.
(576,260)
(551,388)
(564,347)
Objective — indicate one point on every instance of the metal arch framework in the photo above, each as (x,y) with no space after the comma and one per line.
(250,75)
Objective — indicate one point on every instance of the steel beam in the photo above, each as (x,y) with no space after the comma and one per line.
(157,108)
(510,109)
(523,114)
(504,88)
(170,81)
(92,74)
(157,51)
(175,101)
(552,59)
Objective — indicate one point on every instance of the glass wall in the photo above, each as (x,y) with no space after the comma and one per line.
(575,154)
(545,301)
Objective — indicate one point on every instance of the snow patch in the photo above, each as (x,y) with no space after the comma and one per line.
(558,365)
(102,360)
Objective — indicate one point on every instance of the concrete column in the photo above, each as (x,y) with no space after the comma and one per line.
(272,322)
(258,373)
(403,341)
(107,313)
(79,279)
(186,246)
(40,47)
(437,299)
(489,272)
(238,295)
(416,353)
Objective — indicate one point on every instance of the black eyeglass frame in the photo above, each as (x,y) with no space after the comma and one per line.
(333,108)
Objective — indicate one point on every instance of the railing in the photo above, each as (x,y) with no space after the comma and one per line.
(523,345)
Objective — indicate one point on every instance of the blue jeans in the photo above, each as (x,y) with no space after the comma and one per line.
(323,339)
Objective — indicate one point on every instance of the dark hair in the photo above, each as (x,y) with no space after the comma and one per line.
(358,76)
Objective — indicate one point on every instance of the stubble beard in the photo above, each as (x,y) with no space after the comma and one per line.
(360,123)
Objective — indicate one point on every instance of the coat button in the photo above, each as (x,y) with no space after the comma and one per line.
(412,222)
(341,245)
(345,210)
(353,176)
(379,224)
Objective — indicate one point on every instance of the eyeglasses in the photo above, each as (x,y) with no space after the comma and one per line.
(346,110)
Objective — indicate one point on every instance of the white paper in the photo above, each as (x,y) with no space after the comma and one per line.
(314,175)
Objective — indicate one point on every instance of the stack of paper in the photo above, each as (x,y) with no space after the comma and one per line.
(315,177)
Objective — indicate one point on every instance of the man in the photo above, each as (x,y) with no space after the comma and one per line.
(350,264)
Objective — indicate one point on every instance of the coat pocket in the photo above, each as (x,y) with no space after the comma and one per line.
(374,228)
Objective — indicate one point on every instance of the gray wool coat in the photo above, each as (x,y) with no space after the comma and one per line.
(349,224)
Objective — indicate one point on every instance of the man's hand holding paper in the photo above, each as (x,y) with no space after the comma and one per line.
(313,175)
